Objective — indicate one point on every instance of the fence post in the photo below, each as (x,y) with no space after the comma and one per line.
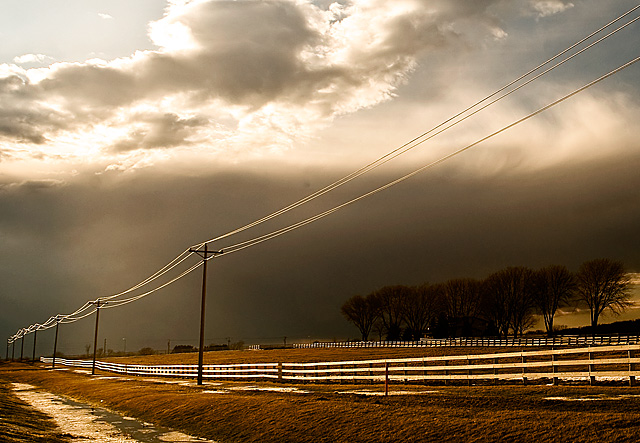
(280,372)
(446,373)
(468,371)
(554,368)
(495,371)
(386,379)
(592,378)
(524,369)
(424,371)
(632,367)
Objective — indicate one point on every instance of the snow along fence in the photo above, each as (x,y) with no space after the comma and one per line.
(569,364)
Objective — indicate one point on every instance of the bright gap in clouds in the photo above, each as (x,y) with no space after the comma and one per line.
(228,80)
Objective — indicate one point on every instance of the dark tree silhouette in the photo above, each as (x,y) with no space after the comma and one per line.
(419,309)
(554,287)
(461,298)
(508,300)
(603,284)
(362,312)
(390,300)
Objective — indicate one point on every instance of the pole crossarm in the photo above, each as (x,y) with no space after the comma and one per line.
(205,254)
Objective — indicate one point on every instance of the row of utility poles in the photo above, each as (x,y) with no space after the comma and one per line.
(205,254)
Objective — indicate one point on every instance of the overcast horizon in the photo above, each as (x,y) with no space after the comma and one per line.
(131,131)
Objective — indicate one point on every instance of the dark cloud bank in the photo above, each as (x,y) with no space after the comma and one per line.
(63,245)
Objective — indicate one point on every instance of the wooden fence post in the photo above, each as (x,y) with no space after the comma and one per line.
(280,372)
(592,378)
(468,371)
(524,369)
(386,379)
(554,368)
(495,371)
(632,367)
(446,373)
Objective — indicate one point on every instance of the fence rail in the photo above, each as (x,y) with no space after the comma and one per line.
(606,362)
(568,340)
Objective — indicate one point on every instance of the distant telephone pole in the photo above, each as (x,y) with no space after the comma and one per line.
(204,254)
(98,303)
(22,346)
(55,344)
(35,338)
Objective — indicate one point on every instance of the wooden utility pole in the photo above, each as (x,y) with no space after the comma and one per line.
(55,344)
(22,346)
(98,303)
(35,338)
(204,254)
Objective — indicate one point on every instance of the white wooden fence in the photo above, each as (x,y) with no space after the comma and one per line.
(567,340)
(571,364)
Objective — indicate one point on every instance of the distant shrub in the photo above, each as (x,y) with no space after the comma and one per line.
(178,349)
(146,351)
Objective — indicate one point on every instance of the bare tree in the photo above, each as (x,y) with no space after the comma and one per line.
(362,312)
(555,287)
(508,300)
(419,309)
(462,298)
(390,300)
(603,284)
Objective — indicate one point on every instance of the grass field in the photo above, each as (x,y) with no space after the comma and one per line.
(228,412)
(302,355)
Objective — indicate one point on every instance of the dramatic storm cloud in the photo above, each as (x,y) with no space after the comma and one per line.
(132,130)
(253,73)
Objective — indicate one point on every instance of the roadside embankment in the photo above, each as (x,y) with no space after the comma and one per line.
(231,412)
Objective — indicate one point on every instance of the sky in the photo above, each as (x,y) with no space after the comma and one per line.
(130,131)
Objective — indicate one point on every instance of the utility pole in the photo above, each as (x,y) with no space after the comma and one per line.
(168,346)
(98,303)
(55,344)
(6,356)
(104,348)
(22,346)
(13,349)
(204,254)
(35,338)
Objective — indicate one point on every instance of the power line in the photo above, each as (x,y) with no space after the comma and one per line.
(239,246)
(385,158)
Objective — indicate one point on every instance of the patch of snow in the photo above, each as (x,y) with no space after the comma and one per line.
(269,389)
(84,423)
(381,393)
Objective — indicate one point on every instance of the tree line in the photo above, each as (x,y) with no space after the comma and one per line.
(505,303)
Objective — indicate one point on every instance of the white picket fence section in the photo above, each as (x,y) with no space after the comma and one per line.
(245,371)
(617,362)
(567,340)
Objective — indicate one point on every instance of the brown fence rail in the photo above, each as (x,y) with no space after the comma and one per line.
(617,363)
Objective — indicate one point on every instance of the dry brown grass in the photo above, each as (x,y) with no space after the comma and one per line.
(301,355)
(447,414)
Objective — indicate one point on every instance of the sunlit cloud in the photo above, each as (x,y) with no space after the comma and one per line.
(33,59)
(544,8)
(249,75)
